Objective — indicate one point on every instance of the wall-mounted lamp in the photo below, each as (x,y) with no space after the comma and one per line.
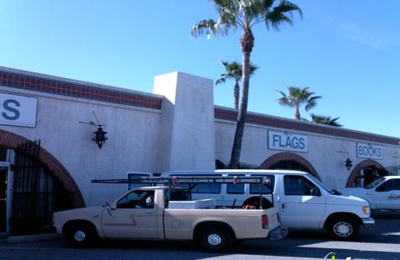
(348,163)
(99,136)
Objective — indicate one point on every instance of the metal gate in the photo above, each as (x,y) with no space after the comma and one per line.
(35,191)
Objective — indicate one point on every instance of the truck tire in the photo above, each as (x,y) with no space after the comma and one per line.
(215,239)
(81,235)
(343,228)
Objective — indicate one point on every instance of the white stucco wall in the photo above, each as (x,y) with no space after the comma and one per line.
(182,135)
(188,121)
(133,138)
(327,154)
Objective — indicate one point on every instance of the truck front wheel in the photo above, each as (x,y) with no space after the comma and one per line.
(343,228)
(81,235)
(215,239)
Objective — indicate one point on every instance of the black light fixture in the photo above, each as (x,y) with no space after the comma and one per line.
(348,163)
(99,136)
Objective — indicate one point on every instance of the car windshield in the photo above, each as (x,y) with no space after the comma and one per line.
(321,184)
(374,183)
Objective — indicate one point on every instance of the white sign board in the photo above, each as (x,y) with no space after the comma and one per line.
(285,141)
(18,110)
(369,151)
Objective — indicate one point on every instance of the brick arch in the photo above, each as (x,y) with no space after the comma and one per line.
(289,156)
(11,140)
(359,167)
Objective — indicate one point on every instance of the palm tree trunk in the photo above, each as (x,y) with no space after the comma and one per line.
(236,95)
(297,113)
(247,43)
(241,118)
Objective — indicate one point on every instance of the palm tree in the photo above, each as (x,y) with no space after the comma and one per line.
(326,120)
(244,14)
(234,71)
(298,97)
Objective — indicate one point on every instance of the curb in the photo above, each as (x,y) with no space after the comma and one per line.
(32,238)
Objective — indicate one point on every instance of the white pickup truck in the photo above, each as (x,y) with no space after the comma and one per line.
(382,194)
(148,214)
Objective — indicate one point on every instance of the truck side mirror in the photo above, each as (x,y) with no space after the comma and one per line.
(110,205)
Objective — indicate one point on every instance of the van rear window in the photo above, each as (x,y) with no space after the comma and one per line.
(235,188)
(214,188)
(265,189)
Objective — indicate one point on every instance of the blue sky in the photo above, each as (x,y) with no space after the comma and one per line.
(346,51)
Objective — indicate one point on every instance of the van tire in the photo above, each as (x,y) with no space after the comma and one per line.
(215,239)
(343,228)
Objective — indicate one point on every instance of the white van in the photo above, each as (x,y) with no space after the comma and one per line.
(303,201)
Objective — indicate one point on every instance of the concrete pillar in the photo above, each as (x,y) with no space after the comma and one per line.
(187,127)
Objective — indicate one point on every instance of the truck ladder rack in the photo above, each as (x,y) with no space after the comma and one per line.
(174,180)
(194,180)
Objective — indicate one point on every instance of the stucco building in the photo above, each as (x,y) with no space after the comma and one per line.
(48,153)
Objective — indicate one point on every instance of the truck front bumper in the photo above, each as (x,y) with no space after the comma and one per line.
(368,222)
(277,233)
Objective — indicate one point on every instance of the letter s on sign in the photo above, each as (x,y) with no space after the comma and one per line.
(9,105)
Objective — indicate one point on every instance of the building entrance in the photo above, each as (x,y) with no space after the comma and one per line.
(4,197)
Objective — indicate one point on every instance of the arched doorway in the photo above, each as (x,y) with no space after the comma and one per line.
(289,161)
(365,172)
(33,184)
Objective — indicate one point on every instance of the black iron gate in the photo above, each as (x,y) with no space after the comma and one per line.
(35,191)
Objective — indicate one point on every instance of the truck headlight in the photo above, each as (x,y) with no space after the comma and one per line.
(366,210)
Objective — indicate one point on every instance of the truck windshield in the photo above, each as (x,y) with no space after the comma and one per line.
(374,183)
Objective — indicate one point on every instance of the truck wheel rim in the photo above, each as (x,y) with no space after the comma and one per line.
(79,236)
(214,240)
(343,229)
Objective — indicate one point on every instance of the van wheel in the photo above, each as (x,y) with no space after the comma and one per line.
(215,239)
(343,228)
(81,235)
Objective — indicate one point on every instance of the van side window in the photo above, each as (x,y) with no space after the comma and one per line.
(265,189)
(300,186)
(235,188)
(213,188)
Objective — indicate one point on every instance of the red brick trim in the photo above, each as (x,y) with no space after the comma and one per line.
(11,141)
(289,156)
(75,89)
(356,170)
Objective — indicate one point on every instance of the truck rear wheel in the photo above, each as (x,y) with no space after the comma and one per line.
(343,228)
(215,239)
(81,235)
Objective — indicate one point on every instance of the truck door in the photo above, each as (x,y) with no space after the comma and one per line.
(301,203)
(134,217)
(387,195)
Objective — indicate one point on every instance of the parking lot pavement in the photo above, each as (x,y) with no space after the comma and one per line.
(380,242)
